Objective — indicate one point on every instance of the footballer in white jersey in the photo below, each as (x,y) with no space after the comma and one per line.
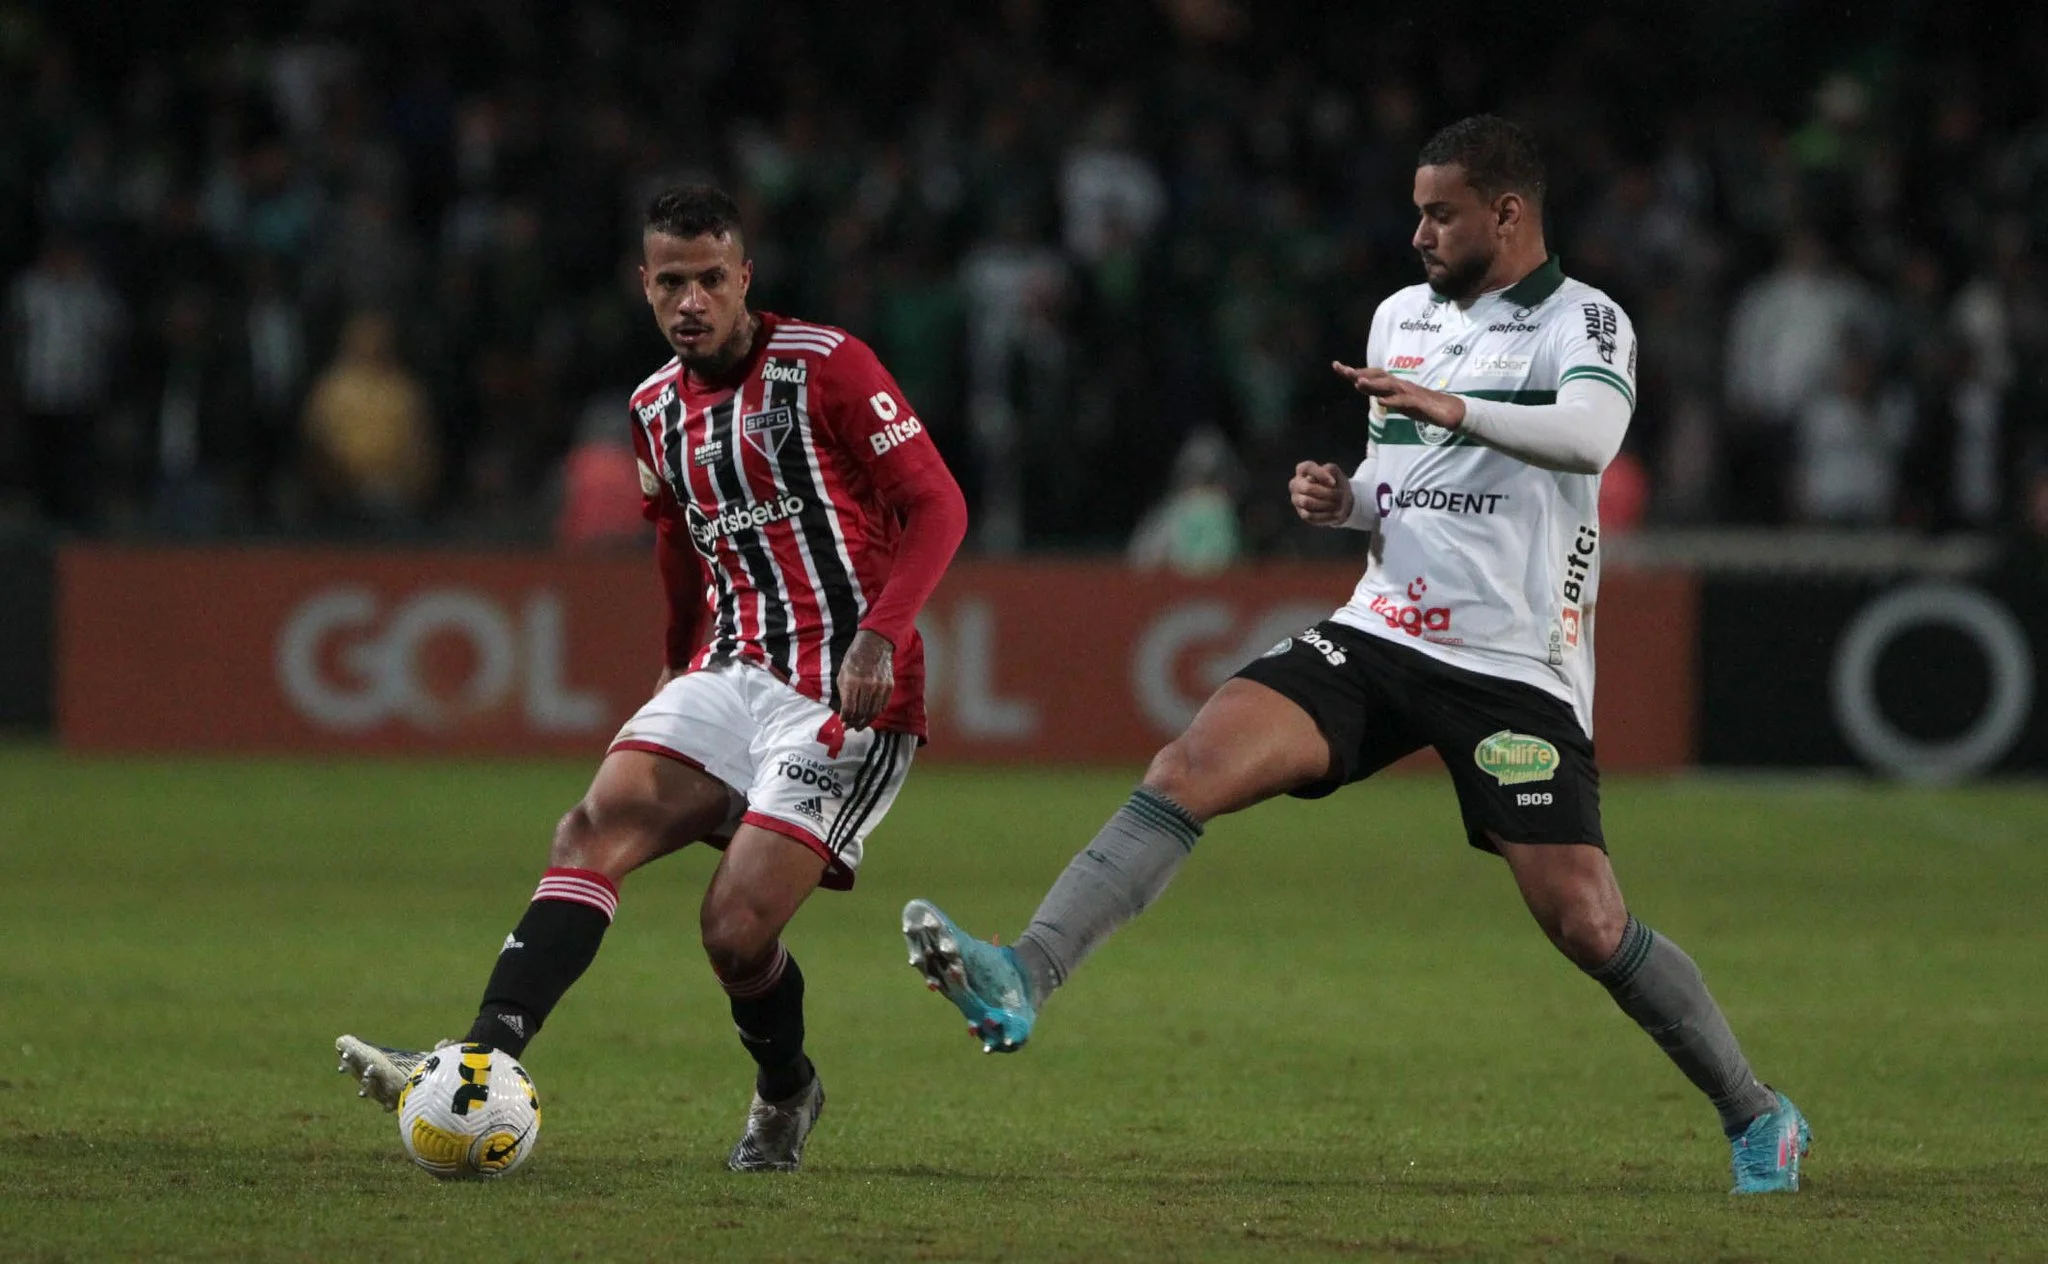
(1481,559)
(1499,390)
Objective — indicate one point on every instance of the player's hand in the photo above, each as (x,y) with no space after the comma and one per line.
(1399,394)
(866,678)
(1321,494)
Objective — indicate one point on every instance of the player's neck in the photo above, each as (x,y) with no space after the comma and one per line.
(1509,269)
(729,360)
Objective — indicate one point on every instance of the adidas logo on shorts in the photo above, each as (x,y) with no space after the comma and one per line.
(812,808)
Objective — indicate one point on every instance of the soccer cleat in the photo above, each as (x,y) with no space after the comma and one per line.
(1766,1154)
(380,1072)
(776,1131)
(985,982)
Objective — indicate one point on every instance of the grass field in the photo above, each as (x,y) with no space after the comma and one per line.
(1338,1036)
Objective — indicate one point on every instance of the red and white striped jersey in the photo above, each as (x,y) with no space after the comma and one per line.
(792,477)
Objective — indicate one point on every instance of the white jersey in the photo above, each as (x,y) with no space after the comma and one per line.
(1481,559)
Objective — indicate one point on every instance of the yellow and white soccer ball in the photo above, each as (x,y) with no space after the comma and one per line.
(469,1112)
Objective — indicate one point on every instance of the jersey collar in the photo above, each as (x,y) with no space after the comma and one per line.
(1537,286)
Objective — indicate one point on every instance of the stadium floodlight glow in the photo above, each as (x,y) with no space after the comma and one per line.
(1978,616)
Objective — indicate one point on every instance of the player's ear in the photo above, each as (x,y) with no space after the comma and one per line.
(1508,210)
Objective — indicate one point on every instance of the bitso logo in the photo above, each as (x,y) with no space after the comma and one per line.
(894,435)
(1513,759)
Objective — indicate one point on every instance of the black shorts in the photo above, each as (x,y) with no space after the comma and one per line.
(1522,766)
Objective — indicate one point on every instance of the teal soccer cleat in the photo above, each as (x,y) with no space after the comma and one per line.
(984,981)
(1767,1153)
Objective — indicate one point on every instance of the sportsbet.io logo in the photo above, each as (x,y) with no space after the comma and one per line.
(1514,758)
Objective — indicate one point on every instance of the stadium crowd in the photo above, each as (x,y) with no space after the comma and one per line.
(366,269)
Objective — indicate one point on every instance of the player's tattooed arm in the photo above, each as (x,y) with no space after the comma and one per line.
(866,678)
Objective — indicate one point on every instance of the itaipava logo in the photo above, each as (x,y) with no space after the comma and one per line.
(1514,758)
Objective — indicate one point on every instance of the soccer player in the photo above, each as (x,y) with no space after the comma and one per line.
(1499,391)
(797,496)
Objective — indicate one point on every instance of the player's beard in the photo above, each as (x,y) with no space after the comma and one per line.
(1460,283)
(716,363)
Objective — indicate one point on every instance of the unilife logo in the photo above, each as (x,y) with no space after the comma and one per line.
(706,530)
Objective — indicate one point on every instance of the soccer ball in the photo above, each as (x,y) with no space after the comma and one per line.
(469,1112)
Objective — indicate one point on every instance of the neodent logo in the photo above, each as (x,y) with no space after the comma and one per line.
(1439,498)
(707,531)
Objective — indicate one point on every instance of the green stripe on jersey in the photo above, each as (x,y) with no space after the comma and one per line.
(1595,373)
(1402,428)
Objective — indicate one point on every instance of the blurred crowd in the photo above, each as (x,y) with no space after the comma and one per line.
(358,268)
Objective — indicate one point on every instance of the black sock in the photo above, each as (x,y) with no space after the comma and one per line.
(768,1009)
(553,945)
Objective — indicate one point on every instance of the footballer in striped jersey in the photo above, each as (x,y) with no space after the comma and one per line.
(802,517)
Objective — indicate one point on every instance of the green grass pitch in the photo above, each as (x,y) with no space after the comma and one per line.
(1338,1036)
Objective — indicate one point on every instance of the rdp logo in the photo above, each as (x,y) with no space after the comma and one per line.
(348,662)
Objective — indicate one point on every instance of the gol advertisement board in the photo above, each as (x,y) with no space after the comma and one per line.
(461,653)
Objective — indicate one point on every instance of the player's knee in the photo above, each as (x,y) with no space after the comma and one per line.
(1587,931)
(1176,772)
(608,838)
(737,938)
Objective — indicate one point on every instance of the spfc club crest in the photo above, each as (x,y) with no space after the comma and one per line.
(766,431)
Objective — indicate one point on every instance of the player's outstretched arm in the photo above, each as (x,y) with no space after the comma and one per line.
(1579,434)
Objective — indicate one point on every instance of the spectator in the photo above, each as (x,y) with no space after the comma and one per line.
(65,327)
(601,492)
(1849,440)
(1108,186)
(1050,212)
(1790,330)
(1193,530)
(368,432)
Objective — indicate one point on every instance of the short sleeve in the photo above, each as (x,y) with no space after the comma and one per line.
(1597,343)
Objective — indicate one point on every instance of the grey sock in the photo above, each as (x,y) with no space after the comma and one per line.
(1656,984)
(1107,884)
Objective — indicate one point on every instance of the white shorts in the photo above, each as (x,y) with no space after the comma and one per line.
(798,772)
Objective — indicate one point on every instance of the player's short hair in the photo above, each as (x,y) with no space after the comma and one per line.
(1497,156)
(693,210)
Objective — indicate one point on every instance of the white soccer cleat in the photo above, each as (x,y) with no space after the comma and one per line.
(776,1131)
(378,1071)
